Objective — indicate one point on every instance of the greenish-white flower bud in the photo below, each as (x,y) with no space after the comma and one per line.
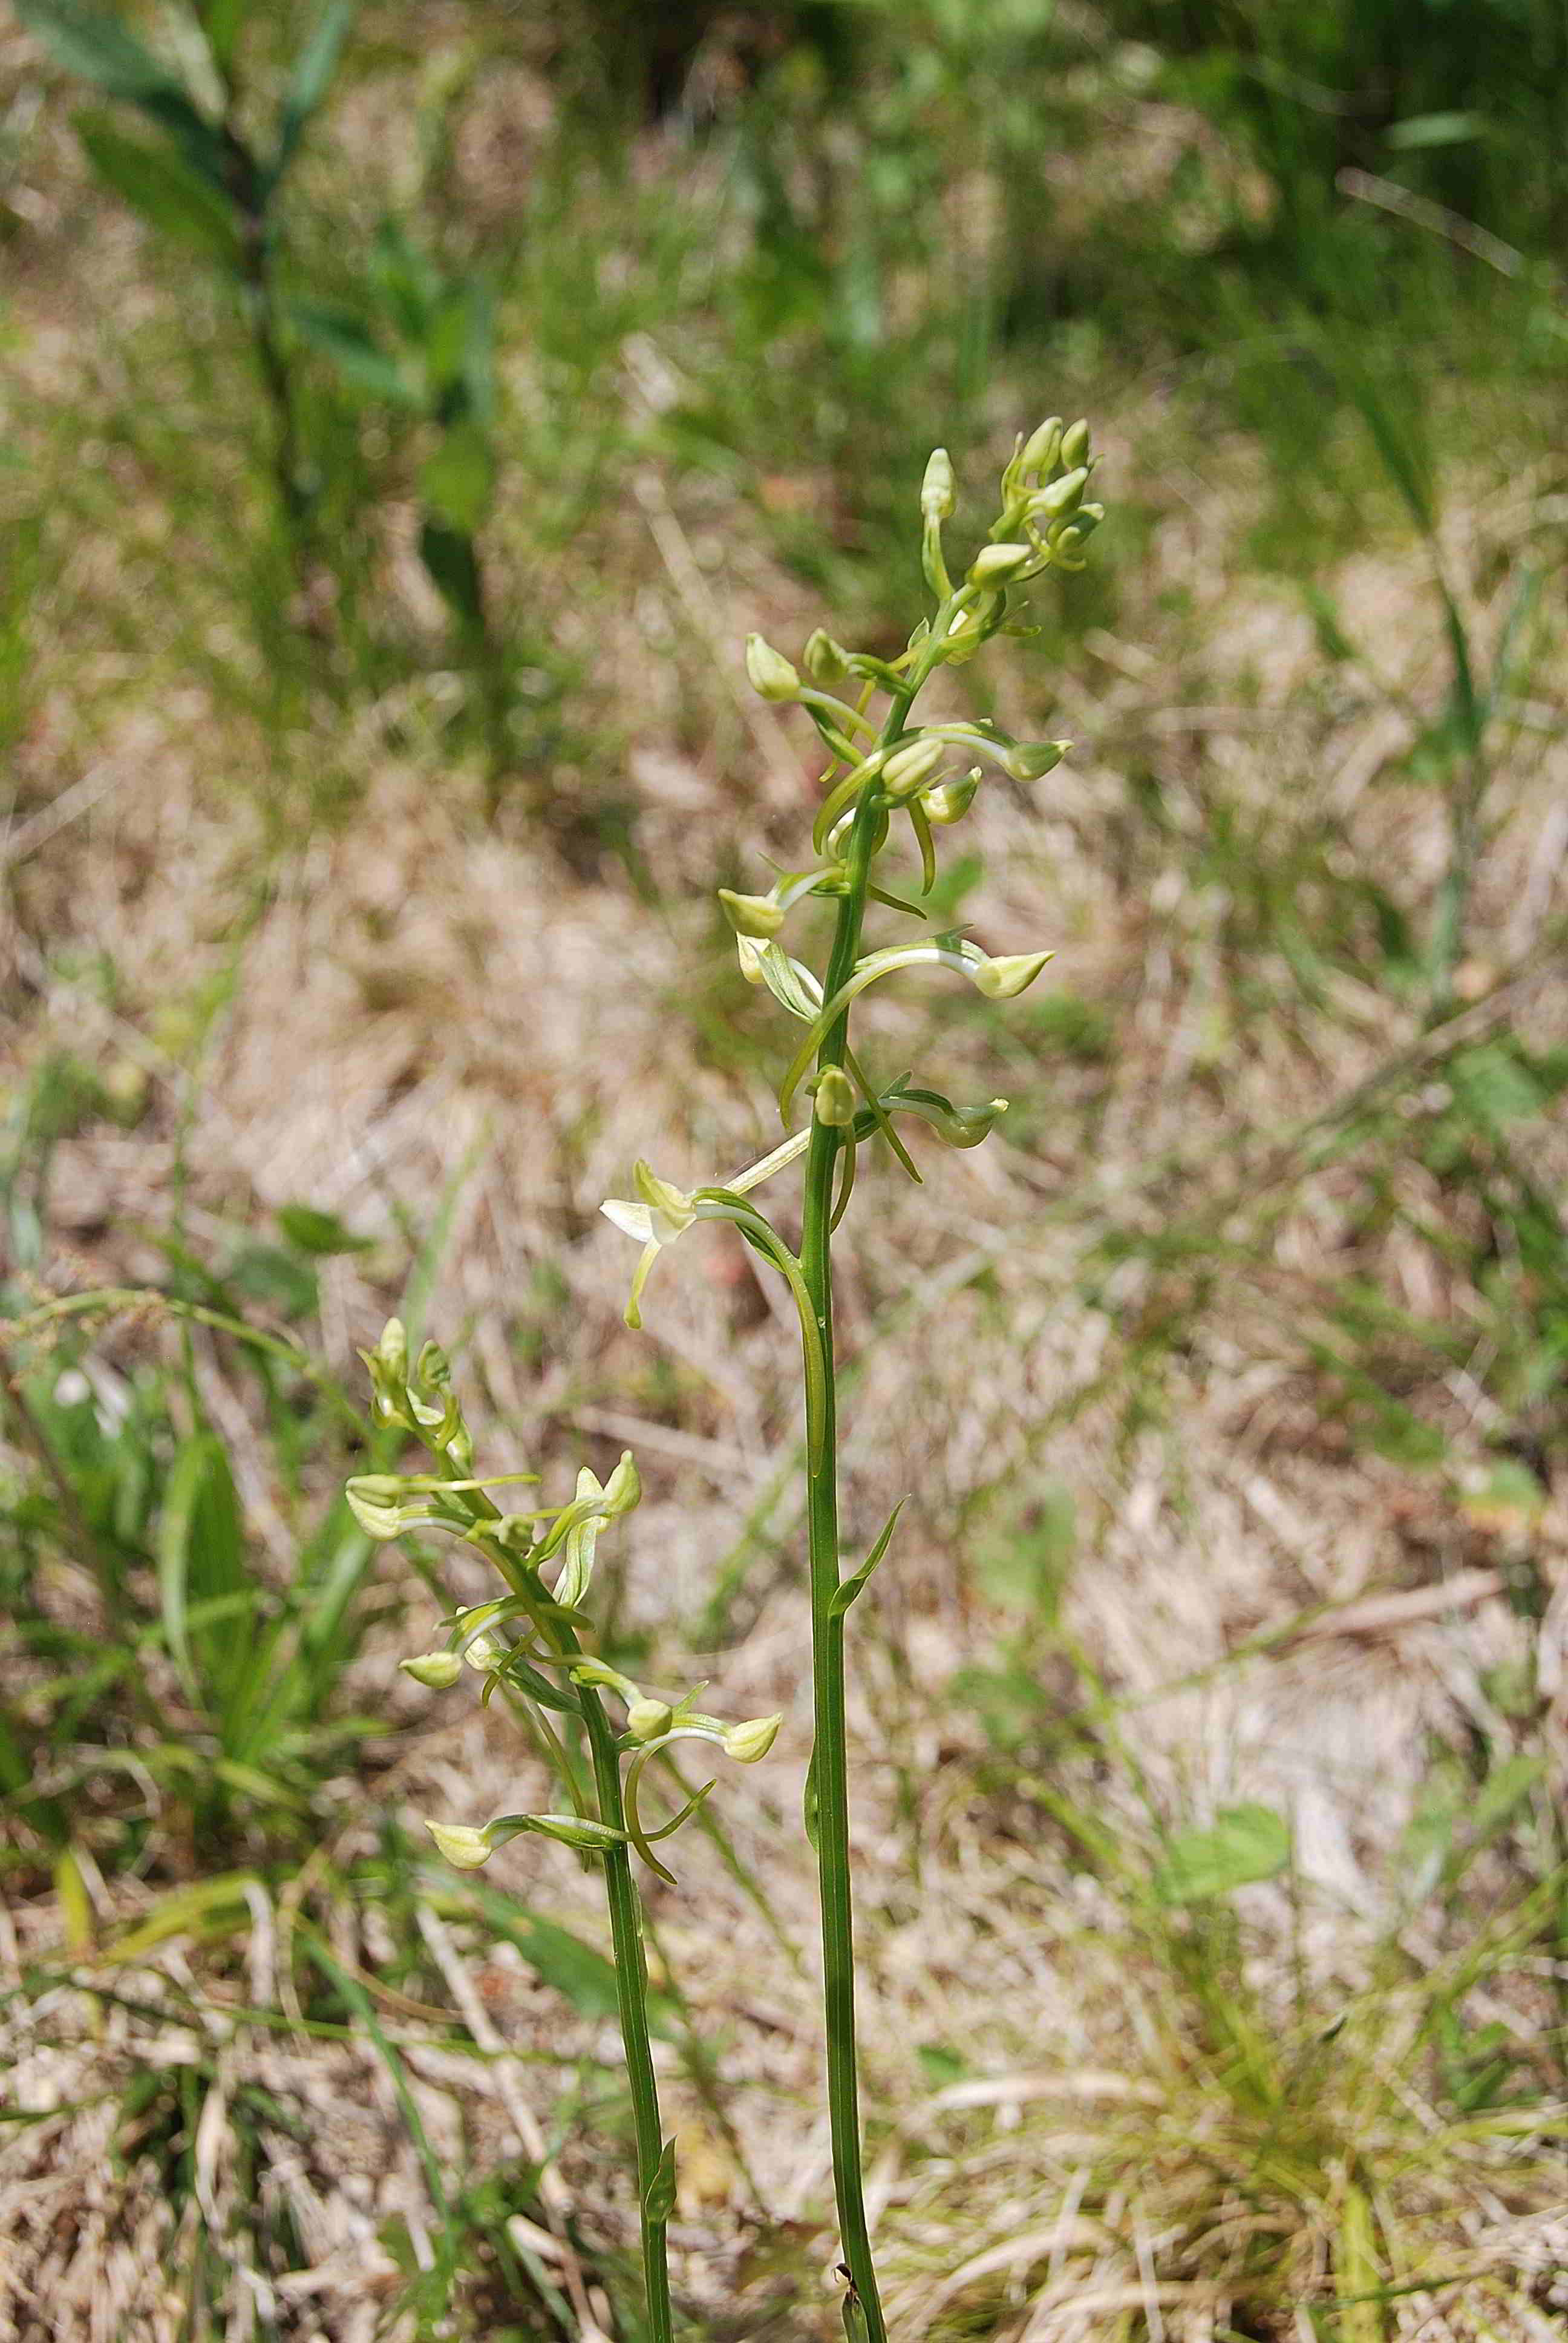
(1030,760)
(1040,449)
(623,1490)
(376,1502)
(770,671)
(909,769)
(1014,973)
(995,564)
(486,1651)
(951,800)
(936,487)
(758,916)
(647,1720)
(466,1848)
(748,1742)
(1061,497)
(826,661)
(834,1098)
(392,1349)
(1075,443)
(436,1670)
(1069,535)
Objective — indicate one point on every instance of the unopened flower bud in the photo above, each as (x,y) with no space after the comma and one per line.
(1040,449)
(994,565)
(1029,760)
(770,671)
(835,1099)
(436,1670)
(826,661)
(1061,497)
(748,1742)
(1004,979)
(909,768)
(758,916)
(486,1651)
(466,1848)
(936,487)
(647,1720)
(1075,443)
(1071,534)
(392,1349)
(951,800)
(623,1490)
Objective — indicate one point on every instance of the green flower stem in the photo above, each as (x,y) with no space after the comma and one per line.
(630,1963)
(830,1762)
(631,1992)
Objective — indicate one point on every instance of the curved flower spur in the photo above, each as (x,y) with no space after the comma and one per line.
(526,1644)
(881,771)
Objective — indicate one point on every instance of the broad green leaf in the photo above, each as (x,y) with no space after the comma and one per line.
(201,1557)
(312,78)
(221,22)
(315,1231)
(458,479)
(1244,1844)
(340,336)
(453,562)
(98,48)
(576,1971)
(164,190)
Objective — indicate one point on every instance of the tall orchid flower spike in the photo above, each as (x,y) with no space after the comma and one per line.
(881,764)
(524,1646)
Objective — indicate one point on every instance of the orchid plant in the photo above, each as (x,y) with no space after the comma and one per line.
(527,1644)
(880,770)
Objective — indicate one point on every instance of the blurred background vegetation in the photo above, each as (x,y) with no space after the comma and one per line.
(406,411)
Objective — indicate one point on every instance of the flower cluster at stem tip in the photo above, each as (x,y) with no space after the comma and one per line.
(525,1643)
(882,769)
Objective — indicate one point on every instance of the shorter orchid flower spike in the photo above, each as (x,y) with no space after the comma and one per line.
(757,917)
(769,673)
(436,1670)
(466,1848)
(752,1740)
